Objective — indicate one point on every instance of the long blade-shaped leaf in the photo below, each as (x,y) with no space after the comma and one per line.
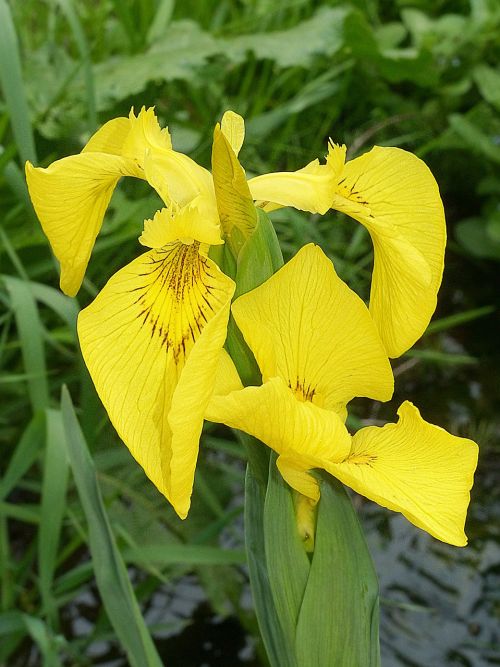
(55,478)
(11,79)
(111,576)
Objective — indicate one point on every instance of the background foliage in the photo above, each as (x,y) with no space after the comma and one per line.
(420,74)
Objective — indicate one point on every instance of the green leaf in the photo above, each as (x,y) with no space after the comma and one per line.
(321,35)
(286,559)
(279,652)
(11,78)
(338,622)
(31,336)
(69,11)
(473,236)
(189,554)
(25,454)
(111,575)
(488,82)
(54,485)
(475,138)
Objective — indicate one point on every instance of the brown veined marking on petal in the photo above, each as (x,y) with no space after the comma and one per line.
(304,392)
(361,459)
(351,193)
(176,301)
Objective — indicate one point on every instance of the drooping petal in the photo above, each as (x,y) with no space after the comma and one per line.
(237,213)
(70,198)
(301,432)
(188,224)
(233,128)
(110,137)
(71,195)
(151,340)
(309,189)
(395,196)
(306,326)
(415,468)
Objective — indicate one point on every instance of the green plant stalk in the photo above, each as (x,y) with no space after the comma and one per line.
(314,609)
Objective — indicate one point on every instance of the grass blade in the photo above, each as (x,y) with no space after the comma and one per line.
(54,485)
(31,336)
(111,576)
(11,78)
(84,50)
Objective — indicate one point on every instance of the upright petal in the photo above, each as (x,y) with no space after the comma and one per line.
(152,340)
(306,326)
(188,224)
(233,128)
(130,137)
(237,213)
(70,198)
(395,196)
(414,468)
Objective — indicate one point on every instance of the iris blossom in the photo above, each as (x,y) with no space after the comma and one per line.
(153,336)
(317,348)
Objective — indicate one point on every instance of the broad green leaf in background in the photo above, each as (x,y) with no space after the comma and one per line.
(110,572)
(173,56)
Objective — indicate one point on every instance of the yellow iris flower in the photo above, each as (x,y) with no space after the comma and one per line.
(317,348)
(153,336)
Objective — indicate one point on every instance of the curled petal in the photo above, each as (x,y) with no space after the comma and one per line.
(151,340)
(395,196)
(311,188)
(415,468)
(71,195)
(70,198)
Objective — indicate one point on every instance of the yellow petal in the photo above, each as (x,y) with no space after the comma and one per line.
(395,196)
(131,137)
(70,198)
(306,326)
(188,224)
(177,178)
(298,430)
(237,213)
(72,194)
(145,135)
(110,137)
(309,189)
(414,468)
(227,378)
(233,128)
(151,341)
